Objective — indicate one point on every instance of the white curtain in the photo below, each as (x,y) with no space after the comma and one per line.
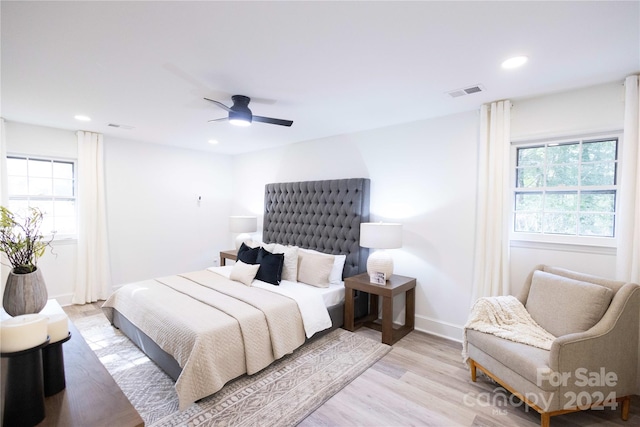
(491,266)
(4,198)
(93,278)
(628,221)
(3,165)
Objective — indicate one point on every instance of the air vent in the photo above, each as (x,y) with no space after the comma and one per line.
(457,93)
(466,91)
(115,125)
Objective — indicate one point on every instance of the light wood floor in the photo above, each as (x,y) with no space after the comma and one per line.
(420,382)
(423,382)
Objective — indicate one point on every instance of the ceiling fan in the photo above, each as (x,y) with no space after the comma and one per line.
(240,114)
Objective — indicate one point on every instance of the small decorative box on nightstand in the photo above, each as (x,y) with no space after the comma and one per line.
(395,285)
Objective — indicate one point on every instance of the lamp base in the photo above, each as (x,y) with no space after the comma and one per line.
(380,262)
(242,238)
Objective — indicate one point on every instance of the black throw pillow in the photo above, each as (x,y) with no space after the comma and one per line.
(248,255)
(270,270)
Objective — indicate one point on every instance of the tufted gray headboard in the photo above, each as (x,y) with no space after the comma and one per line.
(320,215)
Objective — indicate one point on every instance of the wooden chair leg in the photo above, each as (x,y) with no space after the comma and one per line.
(626,404)
(472,365)
(545,419)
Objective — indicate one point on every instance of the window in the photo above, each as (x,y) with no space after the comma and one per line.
(566,188)
(46,184)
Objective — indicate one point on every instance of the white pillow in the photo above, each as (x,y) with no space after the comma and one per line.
(290,267)
(269,247)
(244,273)
(257,243)
(335,277)
(314,268)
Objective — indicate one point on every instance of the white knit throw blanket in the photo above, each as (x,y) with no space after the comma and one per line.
(507,318)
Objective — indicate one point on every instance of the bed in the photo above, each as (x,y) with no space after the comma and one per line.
(204,329)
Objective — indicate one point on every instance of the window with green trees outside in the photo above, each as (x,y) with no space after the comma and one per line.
(47,184)
(567,188)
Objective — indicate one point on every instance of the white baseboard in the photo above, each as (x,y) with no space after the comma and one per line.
(67,299)
(63,299)
(439,328)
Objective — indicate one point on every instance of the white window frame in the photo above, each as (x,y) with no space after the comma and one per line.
(522,239)
(58,237)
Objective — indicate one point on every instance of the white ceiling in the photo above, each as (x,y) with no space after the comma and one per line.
(331,67)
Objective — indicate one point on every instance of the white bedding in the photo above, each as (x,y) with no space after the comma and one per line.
(332,295)
(312,301)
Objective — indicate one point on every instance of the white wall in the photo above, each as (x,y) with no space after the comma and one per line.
(593,109)
(156,225)
(423,175)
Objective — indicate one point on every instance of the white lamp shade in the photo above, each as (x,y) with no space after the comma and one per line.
(380,235)
(243,224)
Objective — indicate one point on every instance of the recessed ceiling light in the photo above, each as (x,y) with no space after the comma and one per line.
(82,118)
(213,141)
(515,62)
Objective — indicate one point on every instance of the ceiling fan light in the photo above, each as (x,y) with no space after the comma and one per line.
(240,114)
(240,118)
(240,122)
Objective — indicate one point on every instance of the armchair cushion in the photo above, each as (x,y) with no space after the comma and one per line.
(524,359)
(564,306)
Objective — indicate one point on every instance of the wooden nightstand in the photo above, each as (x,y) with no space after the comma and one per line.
(231,254)
(394,286)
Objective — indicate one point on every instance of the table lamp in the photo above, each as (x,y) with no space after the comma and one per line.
(243,225)
(380,235)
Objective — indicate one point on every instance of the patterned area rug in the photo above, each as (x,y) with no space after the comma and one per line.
(282,394)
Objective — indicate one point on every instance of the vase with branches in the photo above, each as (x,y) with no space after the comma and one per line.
(23,243)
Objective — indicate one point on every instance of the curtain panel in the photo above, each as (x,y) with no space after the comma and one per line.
(628,221)
(93,278)
(4,197)
(491,264)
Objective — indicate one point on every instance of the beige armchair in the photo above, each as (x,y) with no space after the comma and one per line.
(592,362)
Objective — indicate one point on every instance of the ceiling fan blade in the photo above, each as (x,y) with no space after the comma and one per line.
(272,121)
(219,120)
(219,104)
